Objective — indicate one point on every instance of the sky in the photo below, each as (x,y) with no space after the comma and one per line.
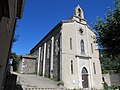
(40,16)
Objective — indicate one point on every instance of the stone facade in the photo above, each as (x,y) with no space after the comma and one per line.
(56,58)
(70,54)
(47,61)
(10,11)
(27,64)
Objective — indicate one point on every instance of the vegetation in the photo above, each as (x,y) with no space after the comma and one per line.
(60,83)
(108,31)
(108,38)
(14,56)
(105,85)
(108,64)
(15,62)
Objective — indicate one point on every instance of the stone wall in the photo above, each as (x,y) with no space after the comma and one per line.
(36,53)
(46,45)
(56,61)
(28,65)
(115,79)
(47,61)
(112,79)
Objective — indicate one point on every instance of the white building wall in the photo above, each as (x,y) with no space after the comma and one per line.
(83,63)
(97,78)
(68,55)
(71,30)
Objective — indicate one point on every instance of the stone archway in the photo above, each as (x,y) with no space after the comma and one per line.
(85,82)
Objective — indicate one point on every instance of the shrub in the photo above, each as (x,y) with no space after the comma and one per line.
(60,83)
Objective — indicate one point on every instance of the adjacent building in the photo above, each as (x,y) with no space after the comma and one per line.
(10,10)
(27,64)
(69,53)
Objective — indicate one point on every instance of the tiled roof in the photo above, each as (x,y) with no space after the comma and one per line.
(28,56)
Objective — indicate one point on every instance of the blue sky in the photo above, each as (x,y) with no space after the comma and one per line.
(40,16)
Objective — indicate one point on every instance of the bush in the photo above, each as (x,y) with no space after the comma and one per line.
(115,87)
(60,83)
(105,85)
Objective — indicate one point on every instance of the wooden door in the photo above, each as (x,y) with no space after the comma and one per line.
(85,81)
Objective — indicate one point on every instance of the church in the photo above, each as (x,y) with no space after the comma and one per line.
(69,53)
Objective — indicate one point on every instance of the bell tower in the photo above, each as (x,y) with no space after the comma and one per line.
(79,15)
(79,12)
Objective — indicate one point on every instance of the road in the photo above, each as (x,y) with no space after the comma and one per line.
(35,82)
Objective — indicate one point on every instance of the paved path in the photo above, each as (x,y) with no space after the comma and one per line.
(35,81)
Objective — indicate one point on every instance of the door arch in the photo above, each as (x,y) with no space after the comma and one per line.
(85,78)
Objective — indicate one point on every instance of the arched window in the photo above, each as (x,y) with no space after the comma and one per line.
(71,67)
(79,12)
(84,71)
(82,46)
(91,47)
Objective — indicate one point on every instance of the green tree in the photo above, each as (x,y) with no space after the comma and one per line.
(15,62)
(108,65)
(108,31)
(14,56)
(108,38)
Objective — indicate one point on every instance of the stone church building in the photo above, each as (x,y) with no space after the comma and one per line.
(70,54)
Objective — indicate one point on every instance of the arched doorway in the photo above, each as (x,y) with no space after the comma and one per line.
(85,78)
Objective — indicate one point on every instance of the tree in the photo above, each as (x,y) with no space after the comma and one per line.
(108,31)
(15,38)
(13,56)
(108,65)
(15,62)
(108,38)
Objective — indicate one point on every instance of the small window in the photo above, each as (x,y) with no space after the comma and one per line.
(94,68)
(71,67)
(103,79)
(82,46)
(71,43)
(91,47)
(81,31)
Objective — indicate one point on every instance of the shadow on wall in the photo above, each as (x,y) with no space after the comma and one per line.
(18,87)
(10,82)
